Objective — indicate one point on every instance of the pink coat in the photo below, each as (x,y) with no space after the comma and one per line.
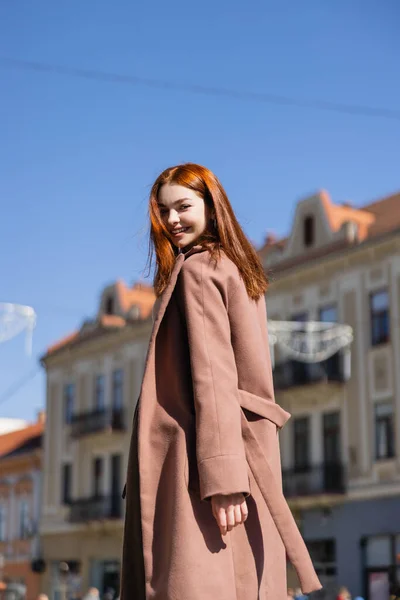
(207,424)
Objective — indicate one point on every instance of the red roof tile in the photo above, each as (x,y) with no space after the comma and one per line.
(13,440)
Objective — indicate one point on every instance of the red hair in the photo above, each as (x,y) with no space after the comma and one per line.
(224,234)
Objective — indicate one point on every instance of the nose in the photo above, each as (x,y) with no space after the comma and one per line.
(173,218)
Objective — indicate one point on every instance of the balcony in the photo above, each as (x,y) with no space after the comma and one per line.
(95,508)
(293,373)
(105,419)
(327,478)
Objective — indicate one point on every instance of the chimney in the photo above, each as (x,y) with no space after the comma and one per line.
(270,238)
(41,417)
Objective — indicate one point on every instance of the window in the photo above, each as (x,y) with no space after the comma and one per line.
(331,442)
(3,523)
(324,557)
(66,484)
(379,551)
(328,314)
(300,370)
(309,233)
(24,519)
(98,469)
(117,389)
(301,443)
(384,438)
(379,305)
(69,395)
(99,392)
(333,365)
(109,306)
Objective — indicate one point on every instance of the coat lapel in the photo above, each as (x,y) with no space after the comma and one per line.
(166,296)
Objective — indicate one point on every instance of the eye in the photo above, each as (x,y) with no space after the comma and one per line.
(163,211)
(184,206)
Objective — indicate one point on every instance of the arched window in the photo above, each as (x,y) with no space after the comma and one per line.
(309,231)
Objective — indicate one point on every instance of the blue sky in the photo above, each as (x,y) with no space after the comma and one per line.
(77,156)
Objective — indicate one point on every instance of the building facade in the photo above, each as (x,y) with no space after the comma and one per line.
(341,448)
(93,382)
(20,502)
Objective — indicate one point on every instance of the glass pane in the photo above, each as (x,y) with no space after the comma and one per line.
(381,440)
(380,301)
(117,389)
(300,317)
(378,552)
(99,392)
(301,441)
(328,314)
(384,409)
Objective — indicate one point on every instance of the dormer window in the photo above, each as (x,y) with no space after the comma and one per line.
(109,308)
(309,231)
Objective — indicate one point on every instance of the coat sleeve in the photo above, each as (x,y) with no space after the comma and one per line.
(221,460)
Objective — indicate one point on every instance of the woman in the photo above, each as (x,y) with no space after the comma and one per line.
(205,514)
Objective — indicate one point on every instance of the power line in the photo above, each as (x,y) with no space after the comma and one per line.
(260,97)
(15,387)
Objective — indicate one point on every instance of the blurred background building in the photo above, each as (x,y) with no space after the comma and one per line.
(20,502)
(341,448)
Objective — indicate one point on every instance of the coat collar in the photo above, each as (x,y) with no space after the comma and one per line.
(193,250)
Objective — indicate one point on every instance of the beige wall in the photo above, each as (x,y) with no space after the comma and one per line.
(96,542)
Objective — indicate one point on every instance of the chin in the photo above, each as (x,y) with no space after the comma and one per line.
(185,243)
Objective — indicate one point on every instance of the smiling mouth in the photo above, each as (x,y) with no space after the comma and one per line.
(180,230)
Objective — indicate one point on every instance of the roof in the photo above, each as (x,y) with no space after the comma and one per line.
(15,440)
(374,219)
(140,296)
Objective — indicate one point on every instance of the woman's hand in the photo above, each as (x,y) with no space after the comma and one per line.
(229,511)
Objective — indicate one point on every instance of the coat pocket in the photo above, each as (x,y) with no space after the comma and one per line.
(263,408)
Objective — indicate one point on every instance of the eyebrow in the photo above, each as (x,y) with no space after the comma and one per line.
(175,201)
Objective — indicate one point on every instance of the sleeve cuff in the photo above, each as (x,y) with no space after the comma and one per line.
(227,474)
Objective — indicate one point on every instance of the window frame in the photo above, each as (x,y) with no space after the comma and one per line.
(98,478)
(66,495)
(302,467)
(309,231)
(117,385)
(388,423)
(3,522)
(23,518)
(377,314)
(109,305)
(100,407)
(69,401)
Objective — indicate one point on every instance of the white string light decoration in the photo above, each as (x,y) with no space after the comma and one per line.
(309,341)
(15,318)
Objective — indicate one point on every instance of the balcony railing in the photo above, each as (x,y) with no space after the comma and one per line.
(294,373)
(328,478)
(95,508)
(96,421)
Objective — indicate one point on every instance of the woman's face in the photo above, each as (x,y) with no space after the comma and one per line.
(184,214)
